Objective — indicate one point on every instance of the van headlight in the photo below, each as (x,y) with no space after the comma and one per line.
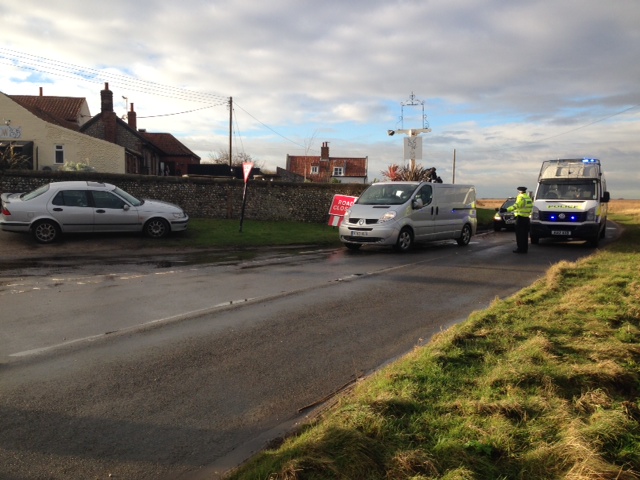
(591,215)
(387,216)
(535,213)
(345,217)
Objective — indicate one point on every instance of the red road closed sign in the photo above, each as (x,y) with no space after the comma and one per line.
(339,205)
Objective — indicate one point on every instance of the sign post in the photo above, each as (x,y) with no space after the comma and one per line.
(246,170)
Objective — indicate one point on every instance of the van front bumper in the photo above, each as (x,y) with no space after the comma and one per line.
(363,235)
(582,231)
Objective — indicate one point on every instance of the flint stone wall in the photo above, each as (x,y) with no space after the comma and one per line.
(207,197)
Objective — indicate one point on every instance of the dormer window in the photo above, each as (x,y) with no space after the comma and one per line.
(315,169)
(338,171)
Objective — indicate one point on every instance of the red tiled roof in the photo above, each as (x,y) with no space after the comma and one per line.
(169,144)
(63,111)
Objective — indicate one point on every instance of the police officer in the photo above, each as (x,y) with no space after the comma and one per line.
(522,211)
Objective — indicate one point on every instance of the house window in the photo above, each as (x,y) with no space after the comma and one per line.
(59,154)
(315,169)
(338,171)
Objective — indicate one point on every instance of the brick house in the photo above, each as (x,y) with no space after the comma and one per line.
(146,153)
(325,168)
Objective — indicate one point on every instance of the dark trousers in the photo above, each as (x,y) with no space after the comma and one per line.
(522,233)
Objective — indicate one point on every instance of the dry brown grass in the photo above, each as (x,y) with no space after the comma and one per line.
(620,206)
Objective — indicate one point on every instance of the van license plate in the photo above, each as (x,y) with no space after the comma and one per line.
(355,233)
(565,233)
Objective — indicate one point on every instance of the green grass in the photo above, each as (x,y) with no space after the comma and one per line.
(204,233)
(543,385)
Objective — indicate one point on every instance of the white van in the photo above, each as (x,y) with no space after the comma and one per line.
(571,201)
(401,213)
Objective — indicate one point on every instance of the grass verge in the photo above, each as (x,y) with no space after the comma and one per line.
(543,385)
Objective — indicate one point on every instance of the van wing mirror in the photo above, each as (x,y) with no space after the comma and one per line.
(605,197)
(417,203)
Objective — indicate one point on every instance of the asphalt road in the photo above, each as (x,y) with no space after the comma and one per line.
(178,366)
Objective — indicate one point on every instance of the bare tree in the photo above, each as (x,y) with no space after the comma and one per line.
(10,160)
(222,158)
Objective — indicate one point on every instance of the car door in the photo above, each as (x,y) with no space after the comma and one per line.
(113,214)
(72,210)
(423,219)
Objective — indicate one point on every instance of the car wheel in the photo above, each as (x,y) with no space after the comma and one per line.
(405,240)
(353,246)
(46,231)
(496,228)
(157,228)
(465,236)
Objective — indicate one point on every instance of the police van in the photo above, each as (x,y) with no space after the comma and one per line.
(570,201)
(403,213)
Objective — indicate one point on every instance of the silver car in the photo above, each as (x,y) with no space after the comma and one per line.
(64,207)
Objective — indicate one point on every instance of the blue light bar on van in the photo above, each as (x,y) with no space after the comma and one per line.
(590,160)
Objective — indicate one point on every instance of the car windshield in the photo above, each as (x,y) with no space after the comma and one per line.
(508,203)
(128,197)
(35,193)
(386,194)
(567,191)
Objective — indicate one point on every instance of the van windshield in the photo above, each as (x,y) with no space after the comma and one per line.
(386,194)
(567,191)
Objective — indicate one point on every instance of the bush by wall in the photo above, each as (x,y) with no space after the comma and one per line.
(206,197)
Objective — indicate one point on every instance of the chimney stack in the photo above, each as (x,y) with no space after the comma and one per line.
(106,97)
(132,118)
(324,151)
(41,92)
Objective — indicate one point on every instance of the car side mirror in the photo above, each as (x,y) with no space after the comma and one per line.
(502,210)
(126,207)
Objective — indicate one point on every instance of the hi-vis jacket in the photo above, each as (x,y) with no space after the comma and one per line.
(523,206)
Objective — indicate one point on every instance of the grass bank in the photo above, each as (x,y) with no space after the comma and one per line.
(543,385)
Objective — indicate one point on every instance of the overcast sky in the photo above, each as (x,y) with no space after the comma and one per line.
(504,84)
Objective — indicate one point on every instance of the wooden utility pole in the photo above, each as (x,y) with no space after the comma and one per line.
(230,129)
(454,166)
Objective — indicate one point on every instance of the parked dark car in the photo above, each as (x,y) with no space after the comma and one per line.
(502,218)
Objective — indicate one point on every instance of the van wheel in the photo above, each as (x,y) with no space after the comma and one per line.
(603,232)
(405,240)
(465,237)
(594,241)
(353,246)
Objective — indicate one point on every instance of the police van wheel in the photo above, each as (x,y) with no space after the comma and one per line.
(405,240)
(465,236)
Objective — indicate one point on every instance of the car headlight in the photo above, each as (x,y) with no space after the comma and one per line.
(387,216)
(497,217)
(178,215)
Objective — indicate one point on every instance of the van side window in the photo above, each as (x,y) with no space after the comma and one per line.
(425,194)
